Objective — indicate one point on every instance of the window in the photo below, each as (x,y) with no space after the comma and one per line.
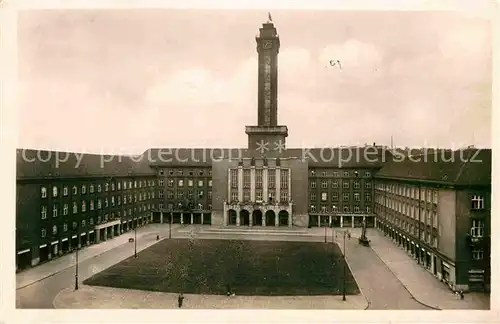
(135,184)
(113,186)
(106,204)
(83,222)
(160,194)
(124,185)
(345,183)
(200,183)
(258,195)
(43,192)
(368,197)
(368,210)
(99,188)
(84,206)
(180,183)
(44,232)
(91,188)
(190,194)
(99,203)
(324,209)
(54,230)
(334,208)
(312,196)
(313,184)
(180,194)
(368,174)
(91,220)
(113,201)
(345,196)
(65,209)
(209,194)
(312,209)
(44,212)
(84,189)
(54,210)
(170,194)
(54,191)
(324,196)
(171,172)
(284,178)
(356,209)
(368,185)
(119,185)
(313,173)
(160,182)
(477,254)
(335,184)
(75,207)
(477,202)
(162,172)
(258,179)
(335,196)
(356,196)
(75,225)
(234,178)
(170,182)
(65,227)
(65,191)
(91,205)
(190,183)
(209,206)
(335,173)
(324,184)
(346,173)
(346,209)
(477,229)
(356,185)
(234,195)
(75,190)
(246,178)
(210,183)
(271,178)
(191,173)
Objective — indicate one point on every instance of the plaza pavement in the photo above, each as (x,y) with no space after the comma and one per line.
(419,282)
(114,298)
(56,265)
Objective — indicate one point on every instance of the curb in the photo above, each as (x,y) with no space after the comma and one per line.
(368,303)
(412,296)
(58,271)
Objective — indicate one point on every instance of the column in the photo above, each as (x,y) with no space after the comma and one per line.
(88,239)
(278,184)
(79,241)
(105,235)
(352,224)
(182,218)
(202,214)
(228,185)
(252,183)
(276,219)
(240,184)
(375,221)
(238,218)
(97,236)
(432,263)
(330,220)
(263,219)
(290,218)
(250,220)
(341,221)
(364,219)
(265,193)
(161,217)
(289,184)
(319,221)
(225,216)
(191,218)
(112,231)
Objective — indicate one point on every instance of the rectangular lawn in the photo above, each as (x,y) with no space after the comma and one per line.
(269,268)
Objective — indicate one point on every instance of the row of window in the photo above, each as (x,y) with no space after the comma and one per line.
(428,216)
(335,184)
(180,183)
(410,191)
(335,209)
(92,189)
(345,173)
(346,196)
(92,205)
(74,226)
(412,229)
(259,174)
(259,195)
(180,172)
(190,194)
(179,205)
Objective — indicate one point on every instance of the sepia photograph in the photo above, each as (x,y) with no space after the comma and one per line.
(253,159)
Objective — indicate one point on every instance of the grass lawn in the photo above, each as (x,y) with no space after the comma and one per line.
(269,268)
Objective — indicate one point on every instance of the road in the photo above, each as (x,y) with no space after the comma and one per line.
(42,293)
(381,288)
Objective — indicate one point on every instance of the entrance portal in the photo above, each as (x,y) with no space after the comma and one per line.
(231,217)
(270,218)
(283,218)
(257,218)
(244,218)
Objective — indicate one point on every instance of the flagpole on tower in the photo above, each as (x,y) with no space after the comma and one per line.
(270,19)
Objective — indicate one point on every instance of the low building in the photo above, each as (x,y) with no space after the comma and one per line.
(437,208)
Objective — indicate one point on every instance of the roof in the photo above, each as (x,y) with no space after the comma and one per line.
(42,163)
(346,157)
(467,167)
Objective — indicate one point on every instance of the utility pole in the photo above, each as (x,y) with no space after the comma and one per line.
(345,269)
(170,225)
(77,248)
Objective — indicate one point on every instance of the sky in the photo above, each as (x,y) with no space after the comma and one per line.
(123,81)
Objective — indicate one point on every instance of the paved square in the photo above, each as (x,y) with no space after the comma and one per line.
(267,268)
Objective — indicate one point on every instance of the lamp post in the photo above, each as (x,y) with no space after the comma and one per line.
(135,227)
(345,268)
(77,248)
(170,216)
(325,233)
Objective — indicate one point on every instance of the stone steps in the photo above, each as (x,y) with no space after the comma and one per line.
(256,231)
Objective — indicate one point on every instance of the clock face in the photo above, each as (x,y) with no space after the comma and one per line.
(267,44)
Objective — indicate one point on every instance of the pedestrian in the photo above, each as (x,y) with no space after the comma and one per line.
(348,235)
(228,290)
(180,299)
(461,295)
(157,237)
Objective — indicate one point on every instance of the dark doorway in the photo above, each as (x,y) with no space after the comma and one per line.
(207,219)
(177,218)
(157,217)
(231,217)
(197,218)
(92,237)
(65,246)
(44,254)
(313,220)
(24,260)
(270,218)
(257,218)
(336,221)
(434,268)
(244,218)
(186,218)
(283,218)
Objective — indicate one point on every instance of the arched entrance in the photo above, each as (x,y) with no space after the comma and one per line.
(270,218)
(231,217)
(244,217)
(257,218)
(283,218)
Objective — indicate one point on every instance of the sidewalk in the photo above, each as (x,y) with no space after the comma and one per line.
(423,286)
(114,298)
(56,265)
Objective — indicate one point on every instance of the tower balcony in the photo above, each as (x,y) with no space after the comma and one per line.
(267,130)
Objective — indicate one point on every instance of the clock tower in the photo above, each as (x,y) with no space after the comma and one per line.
(267,129)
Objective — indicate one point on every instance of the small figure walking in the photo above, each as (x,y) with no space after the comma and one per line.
(348,235)
(180,299)
(461,295)
(228,290)
(157,237)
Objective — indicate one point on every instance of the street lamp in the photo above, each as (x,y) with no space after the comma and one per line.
(170,216)
(77,248)
(345,269)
